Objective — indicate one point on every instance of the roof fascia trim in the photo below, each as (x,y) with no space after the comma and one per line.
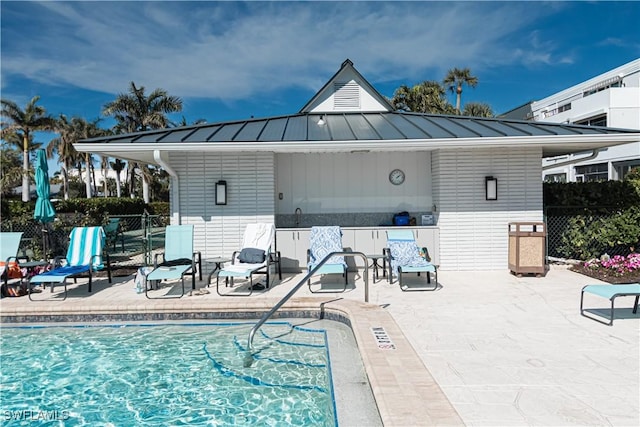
(373,145)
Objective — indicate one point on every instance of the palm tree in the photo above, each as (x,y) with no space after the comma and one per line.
(10,169)
(477,109)
(136,112)
(425,97)
(118,166)
(104,164)
(24,122)
(84,129)
(454,80)
(183,122)
(63,147)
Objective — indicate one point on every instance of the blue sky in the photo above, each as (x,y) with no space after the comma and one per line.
(234,60)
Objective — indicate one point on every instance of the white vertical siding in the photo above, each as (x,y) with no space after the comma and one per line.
(474,231)
(218,230)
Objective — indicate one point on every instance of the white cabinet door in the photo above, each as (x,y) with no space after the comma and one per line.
(365,241)
(370,241)
(286,244)
(302,244)
(429,238)
(293,245)
(379,240)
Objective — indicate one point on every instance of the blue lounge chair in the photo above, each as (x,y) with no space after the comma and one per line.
(405,256)
(113,232)
(84,256)
(178,259)
(9,263)
(323,241)
(255,257)
(611,292)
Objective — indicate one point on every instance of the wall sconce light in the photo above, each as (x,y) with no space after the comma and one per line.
(221,192)
(491,187)
(322,121)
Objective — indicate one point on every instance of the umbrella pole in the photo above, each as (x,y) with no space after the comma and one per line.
(45,240)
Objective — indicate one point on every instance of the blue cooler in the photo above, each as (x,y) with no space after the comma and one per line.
(402,218)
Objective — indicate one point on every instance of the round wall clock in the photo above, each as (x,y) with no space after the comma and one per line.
(396,177)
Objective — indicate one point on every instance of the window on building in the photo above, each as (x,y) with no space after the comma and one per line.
(622,169)
(552,112)
(555,177)
(603,85)
(597,172)
(594,121)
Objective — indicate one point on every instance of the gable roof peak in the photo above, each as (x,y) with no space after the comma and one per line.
(347,91)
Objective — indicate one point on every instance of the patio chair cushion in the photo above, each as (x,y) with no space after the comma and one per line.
(252,255)
(405,253)
(176,262)
(323,241)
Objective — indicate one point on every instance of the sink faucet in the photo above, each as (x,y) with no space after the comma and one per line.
(298,216)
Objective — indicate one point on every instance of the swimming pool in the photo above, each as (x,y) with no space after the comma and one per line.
(166,374)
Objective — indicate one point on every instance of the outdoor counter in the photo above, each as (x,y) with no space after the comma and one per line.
(294,242)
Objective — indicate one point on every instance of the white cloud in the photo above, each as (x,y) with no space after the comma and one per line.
(233,51)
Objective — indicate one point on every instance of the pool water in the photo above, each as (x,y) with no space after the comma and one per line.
(166,374)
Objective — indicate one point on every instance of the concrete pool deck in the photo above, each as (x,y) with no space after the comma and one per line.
(486,348)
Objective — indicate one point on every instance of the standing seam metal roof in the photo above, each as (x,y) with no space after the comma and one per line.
(354,126)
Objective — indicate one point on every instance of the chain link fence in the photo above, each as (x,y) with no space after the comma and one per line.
(577,233)
(131,244)
(572,233)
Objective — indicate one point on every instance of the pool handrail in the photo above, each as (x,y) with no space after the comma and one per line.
(248,360)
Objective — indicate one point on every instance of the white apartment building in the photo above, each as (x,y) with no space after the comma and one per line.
(611,99)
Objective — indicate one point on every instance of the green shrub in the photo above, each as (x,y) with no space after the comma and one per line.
(589,236)
(106,205)
(592,196)
(600,216)
(159,208)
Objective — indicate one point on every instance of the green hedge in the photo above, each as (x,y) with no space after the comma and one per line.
(87,211)
(602,217)
(592,195)
(103,206)
(590,236)
(159,208)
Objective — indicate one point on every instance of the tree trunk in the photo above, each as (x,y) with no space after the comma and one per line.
(104,182)
(118,191)
(87,178)
(65,181)
(145,189)
(25,169)
(93,180)
(132,180)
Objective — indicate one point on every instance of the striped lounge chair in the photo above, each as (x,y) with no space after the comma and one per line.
(84,256)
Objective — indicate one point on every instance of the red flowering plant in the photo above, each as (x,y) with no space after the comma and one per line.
(616,269)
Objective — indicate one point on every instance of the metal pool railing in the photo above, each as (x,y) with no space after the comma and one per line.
(248,358)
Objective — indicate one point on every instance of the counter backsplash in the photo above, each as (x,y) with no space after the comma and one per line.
(366,219)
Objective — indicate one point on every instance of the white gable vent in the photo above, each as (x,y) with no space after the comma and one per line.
(346,95)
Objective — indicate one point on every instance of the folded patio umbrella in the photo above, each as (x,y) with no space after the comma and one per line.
(44,211)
